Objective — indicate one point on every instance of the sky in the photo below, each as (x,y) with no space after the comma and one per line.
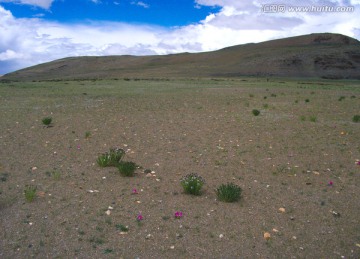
(38,31)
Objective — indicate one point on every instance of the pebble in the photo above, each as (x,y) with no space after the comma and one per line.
(148,236)
(172,247)
(282,210)
(221,236)
(108,212)
(267,236)
(34,168)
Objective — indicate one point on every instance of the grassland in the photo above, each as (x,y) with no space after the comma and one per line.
(299,154)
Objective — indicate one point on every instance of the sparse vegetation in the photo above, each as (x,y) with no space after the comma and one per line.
(192,184)
(255,112)
(30,192)
(111,158)
(46,121)
(122,228)
(87,134)
(267,156)
(228,192)
(356,118)
(127,168)
(313,118)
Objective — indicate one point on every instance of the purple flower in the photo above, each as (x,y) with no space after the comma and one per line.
(139,217)
(358,162)
(134,191)
(330,183)
(178,214)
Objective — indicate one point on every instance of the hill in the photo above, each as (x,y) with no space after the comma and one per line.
(323,55)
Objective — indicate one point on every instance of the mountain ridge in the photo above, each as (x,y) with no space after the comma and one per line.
(319,55)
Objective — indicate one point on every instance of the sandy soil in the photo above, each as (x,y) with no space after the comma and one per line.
(296,155)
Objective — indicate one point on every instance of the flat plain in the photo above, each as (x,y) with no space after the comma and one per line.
(297,163)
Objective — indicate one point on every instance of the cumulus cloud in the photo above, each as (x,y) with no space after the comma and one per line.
(25,42)
(45,4)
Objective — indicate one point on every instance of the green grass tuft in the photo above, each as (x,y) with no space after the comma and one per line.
(30,192)
(111,158)
(47,121)
(228,192)
(127,168)
(356,118)
(255,112)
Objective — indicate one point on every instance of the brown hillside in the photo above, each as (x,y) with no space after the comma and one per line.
(322,55)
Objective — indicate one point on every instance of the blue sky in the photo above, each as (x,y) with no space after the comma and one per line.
(37,31)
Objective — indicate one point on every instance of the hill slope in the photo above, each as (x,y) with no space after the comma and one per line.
(322,55)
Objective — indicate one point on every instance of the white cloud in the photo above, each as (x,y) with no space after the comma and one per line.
(25,42)
(45,4)
(140,3)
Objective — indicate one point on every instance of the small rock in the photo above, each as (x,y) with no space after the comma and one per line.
(110,208)
(34,168)
(172,247)
(108,212)
(152,172)
(148,236)
(292,218)
(282,210)
(221,236)
(335,214)
(267,236)
(294,237)
(149,175)
(275,230)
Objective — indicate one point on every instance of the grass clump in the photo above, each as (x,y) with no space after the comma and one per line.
(111,158)
(30,192)
(313,118)
(127,168)
(356,118)
(87,134)
(228,192)
(122,228)
(255,112)
(192,184)
(46,121)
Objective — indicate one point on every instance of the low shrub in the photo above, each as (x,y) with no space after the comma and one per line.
(192,184)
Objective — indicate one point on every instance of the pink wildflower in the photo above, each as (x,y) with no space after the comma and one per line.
(330,183)
(178,214)
(134,191)
(139,217)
